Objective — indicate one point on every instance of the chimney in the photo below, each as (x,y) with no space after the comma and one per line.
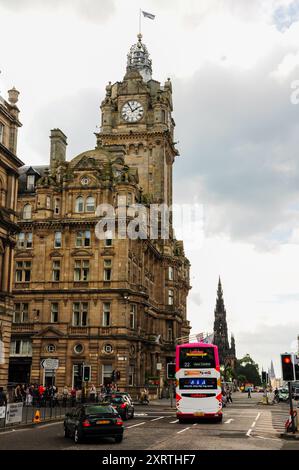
(58,149)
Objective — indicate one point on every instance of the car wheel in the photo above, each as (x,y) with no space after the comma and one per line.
(119,439)
(77,436)
(66,432)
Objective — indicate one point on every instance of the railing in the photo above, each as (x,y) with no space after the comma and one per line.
(22,327)
(78,330)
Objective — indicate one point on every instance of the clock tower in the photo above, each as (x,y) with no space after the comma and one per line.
(137,113)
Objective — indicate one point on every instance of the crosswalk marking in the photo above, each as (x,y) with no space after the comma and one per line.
(160,417)
(183,430)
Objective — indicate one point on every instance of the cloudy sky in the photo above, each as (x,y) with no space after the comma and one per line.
(232,64)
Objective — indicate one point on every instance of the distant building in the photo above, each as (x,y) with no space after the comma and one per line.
(9,164)
(227,352)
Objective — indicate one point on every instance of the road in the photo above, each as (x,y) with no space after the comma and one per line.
(247,425)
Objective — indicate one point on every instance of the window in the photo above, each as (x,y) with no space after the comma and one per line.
(21,313)
(48,202)
(169,327)
(83,238)
(56,266)
(30,182)
(108,348)
(79,204)
(90,204)
(170,273)
(57,240)
(1,133)
(57,206)
(131,375)
(78,348)
(27,212)
(24,240)
(132,316)
(81,270)
(108,242)
(107,373)
(54,312)
(106,313)
(80,312)
(51,348)
(107,269)
(21,347)
(170,296)
(23,271)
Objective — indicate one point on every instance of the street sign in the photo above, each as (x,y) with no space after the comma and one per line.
(50,363)
(171,370)
(14,413)
(159,366)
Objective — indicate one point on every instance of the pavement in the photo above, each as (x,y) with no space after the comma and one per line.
(247,425)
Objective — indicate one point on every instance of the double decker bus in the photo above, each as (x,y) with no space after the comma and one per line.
(198,383)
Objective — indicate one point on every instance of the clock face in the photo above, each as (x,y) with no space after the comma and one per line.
(132,111)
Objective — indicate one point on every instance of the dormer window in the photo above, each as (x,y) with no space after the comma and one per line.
(30,182)
(79,204)
(90,204)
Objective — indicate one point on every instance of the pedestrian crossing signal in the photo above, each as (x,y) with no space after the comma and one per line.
(171,370)
(287,366)
(86,373)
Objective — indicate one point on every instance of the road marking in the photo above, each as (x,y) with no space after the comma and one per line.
(268,438)
(140,414)
(195,424)
(229,421)
(172,422)
(134,425)
(156,419)
(248,433)
(183,430)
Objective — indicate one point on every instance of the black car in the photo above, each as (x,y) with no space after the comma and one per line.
(121,403)
(98,420)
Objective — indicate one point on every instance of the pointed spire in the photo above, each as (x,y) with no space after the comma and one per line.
(220,326)
(139,60)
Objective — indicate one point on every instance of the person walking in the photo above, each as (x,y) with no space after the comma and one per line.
(3,397)
(65,394)
(229,396)
(249,392)
(92,393)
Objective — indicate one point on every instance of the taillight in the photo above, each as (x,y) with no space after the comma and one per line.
(119,422)
(86,423)
(123,405)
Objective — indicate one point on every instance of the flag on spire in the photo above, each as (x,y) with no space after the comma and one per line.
(148,15)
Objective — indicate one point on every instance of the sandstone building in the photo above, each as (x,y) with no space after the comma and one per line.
(9,164)
(115,304)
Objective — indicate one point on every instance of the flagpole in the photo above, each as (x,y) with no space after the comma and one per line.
(139,20)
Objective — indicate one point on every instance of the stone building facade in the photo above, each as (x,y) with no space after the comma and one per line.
(9,165)
(115,304)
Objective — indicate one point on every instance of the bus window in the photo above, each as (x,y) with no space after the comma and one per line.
(197,358)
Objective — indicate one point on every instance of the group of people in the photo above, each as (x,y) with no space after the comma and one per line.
(34,394)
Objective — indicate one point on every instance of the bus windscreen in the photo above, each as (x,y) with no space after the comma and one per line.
(197,383)
(197,358)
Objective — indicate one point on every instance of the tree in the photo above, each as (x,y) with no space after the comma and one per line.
(246,367)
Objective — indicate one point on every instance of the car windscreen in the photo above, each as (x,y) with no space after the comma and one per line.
(197,358)
(98,409)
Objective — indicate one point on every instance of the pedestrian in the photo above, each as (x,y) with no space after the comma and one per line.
(92,393)
(3,397)
(229,396)
(65,394)
(249,392)
(73,396)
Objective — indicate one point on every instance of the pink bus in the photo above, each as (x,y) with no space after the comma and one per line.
(198,384)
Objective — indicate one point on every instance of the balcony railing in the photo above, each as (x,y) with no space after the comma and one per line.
(78,330)
(22,327)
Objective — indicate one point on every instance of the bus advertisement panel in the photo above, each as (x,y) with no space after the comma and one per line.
(198,384)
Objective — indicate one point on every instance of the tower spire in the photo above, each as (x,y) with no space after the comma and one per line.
(220,326)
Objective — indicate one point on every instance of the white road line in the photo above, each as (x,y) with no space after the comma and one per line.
(253,424)
(156,419)
(195,424)
(134,425)
(183,430)
(248,433)
(268,438)
(172,422)
(229,421)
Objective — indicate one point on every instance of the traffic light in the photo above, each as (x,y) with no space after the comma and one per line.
(171,370)
(264,377)
(296,367)
(86,373)
(287,366)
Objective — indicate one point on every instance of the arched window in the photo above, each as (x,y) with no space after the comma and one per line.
(79,204)
(90,204)
(27,211)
